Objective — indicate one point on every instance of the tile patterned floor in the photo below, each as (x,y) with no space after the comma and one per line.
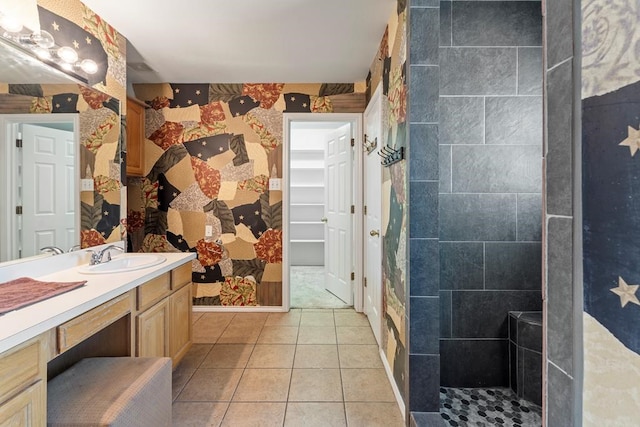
(477,407)
(303,368)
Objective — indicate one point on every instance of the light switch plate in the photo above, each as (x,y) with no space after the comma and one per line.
(86,185)
(208,231)
(275,184)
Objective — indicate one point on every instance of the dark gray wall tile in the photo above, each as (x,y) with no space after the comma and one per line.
(474,363)
(444,158)
(445,314)
(423,86)
(461,120)
(515,266)
(423,209)
(477,217)
(530,217)
(445,23)
(513,327)
(532,377)
(513,367)
(559,31)
(473,71)
(514,120)
(424,325)
(424,383)
(559,144)
(424,152)
(530,71)
(424,419)
(560,405)
(497,169)
(424,267)
(461,265)
(484,314)
(423,3)
(530,335)
(560,293)
(497,23)
(424,26)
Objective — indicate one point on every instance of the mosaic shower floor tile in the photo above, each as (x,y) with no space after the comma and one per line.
(480,407)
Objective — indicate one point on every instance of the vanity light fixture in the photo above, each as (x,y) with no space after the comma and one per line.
(43,45)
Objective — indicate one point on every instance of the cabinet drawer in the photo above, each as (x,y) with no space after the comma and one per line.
(22,366)
(180,276)
(153,291)
(82,327)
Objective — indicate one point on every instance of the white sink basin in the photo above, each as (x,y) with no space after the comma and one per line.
(124,263)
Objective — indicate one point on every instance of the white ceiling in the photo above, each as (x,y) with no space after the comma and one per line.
(236,41)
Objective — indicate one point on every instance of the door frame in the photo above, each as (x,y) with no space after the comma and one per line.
(357,130)
(8,190)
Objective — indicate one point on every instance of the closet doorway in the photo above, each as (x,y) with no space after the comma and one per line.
(320,193)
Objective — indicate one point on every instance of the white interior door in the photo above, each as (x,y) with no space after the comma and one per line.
(48,161)
(338,196)
(372,218)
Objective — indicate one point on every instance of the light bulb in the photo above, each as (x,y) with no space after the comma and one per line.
(42,53)
(66,66)
(68,54)
(10,24)
(43,39)
(89,66)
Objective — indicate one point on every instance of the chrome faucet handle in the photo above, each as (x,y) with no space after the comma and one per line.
(75,248)
(56,250)
(96,256)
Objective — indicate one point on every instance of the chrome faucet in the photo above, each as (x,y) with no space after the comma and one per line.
(56,250)
(96,256)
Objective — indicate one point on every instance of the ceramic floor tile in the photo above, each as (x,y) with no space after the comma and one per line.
(254,415)
(198,414)
(350,317)
(315,385)
(272,356)
(315,414)
(373,414)
(292,318)
(355,335)
(240,334)
(316,356)
(250,319)
(211,385)
(231,356)
(263,385)
(359,356)
(194,357)
(317,335)
(195,316)
(278,335)
(207,330)
(317,318)
(366,385)
(179,378)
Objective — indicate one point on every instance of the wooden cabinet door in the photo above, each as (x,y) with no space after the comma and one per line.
(27,409)
(180,330)
(152,337)
(135,138)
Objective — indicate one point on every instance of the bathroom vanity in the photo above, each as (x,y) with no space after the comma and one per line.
(143,312)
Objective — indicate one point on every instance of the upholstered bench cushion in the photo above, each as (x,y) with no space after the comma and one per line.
(112,391)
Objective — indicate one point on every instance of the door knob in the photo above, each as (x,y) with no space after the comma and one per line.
(324,219)
(374,233)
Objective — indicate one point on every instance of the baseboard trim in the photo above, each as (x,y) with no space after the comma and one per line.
(394,386)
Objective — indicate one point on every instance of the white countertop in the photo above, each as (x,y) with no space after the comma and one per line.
(23,324)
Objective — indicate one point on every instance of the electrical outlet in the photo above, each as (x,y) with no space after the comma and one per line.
(275,184)
(208,230)
(86,185)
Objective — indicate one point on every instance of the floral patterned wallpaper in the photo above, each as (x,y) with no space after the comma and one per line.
(389,68)
(99,110)
(210,151)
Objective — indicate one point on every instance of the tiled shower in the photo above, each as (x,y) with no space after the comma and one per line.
(490,159)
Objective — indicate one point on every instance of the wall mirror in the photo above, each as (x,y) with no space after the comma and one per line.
(40,183)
